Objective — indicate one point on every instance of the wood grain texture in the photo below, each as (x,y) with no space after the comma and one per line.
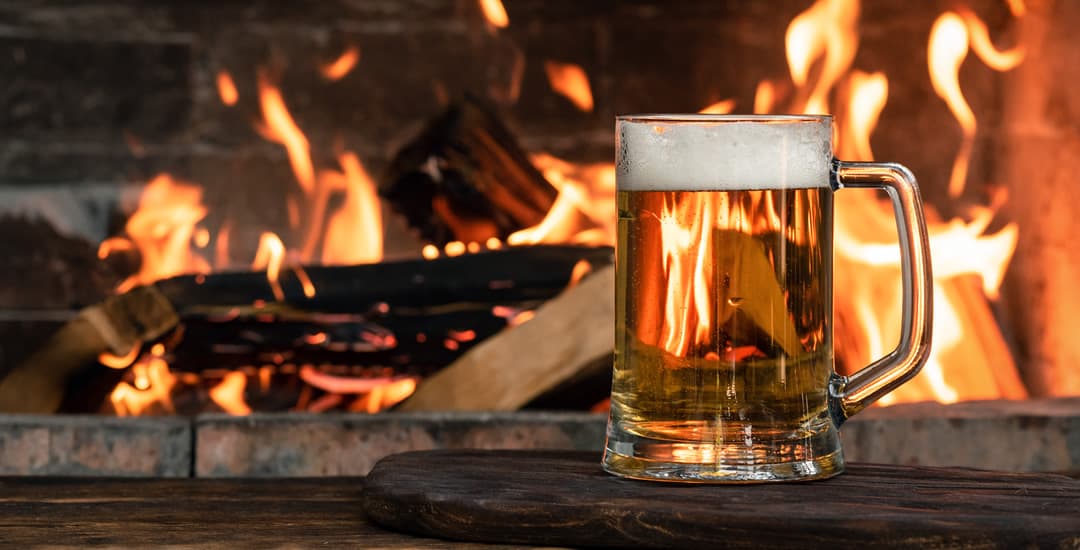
(192,513)
(564,498)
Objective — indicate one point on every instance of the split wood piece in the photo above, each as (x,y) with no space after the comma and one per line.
(118,325)
(570,338)
(563,498)
(465,178)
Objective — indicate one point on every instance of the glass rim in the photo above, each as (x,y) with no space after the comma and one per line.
(701,118)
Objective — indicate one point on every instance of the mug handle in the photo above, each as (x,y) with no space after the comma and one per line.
(851,394)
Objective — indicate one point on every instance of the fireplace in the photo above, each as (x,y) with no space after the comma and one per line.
(293,148)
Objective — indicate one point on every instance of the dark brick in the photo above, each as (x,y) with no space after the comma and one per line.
(57,89)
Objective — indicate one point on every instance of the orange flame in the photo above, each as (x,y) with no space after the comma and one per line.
(764,97)
(282,129)
(570,81)
(229,394)
(354,233)
(948,48)
(153,384)
(227,89)
(865,238)
(825,32)
(495,13)
(584,210)
(269,256)
(161,229)
(338,68)
(721,107)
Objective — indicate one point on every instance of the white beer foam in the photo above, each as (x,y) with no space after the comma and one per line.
(661,153)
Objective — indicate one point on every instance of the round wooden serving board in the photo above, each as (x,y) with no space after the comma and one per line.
(563,498)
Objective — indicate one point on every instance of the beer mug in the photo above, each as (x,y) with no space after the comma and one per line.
(724,331)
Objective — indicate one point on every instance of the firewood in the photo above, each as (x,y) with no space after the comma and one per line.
(416,316)
(465,178)
(570,338)
(505,275)
(117,326)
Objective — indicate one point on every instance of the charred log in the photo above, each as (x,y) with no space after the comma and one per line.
(414,316)
(465,178)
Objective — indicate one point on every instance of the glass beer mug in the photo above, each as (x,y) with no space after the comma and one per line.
(724,338)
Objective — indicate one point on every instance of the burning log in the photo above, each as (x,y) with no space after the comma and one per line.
(416,315)
(568,343)
(465,178)
(117,326)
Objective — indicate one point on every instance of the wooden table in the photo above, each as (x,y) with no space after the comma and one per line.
(563,499)
(194,513)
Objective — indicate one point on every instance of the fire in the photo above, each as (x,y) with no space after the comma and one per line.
(495,13)
(162,229)
(336,218)
(721,107)
(583,212)
(153,384)
(229,394)
(281,128)
(338,68)
(227,89)
(950,38)
(865,238)
(826,32)
(948,48)
(570,81)
(270,255)
(354,232)
(165,231)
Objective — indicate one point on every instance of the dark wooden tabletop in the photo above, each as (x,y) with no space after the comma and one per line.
(194,513)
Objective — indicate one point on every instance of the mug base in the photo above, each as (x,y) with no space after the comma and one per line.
(804,470)
(816,457)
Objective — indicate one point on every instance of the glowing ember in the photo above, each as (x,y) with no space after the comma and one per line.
(338,68)
(570,81)
(227,89)
(495,13)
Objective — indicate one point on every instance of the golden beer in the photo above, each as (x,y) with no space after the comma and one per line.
(723,306)
(723,365)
